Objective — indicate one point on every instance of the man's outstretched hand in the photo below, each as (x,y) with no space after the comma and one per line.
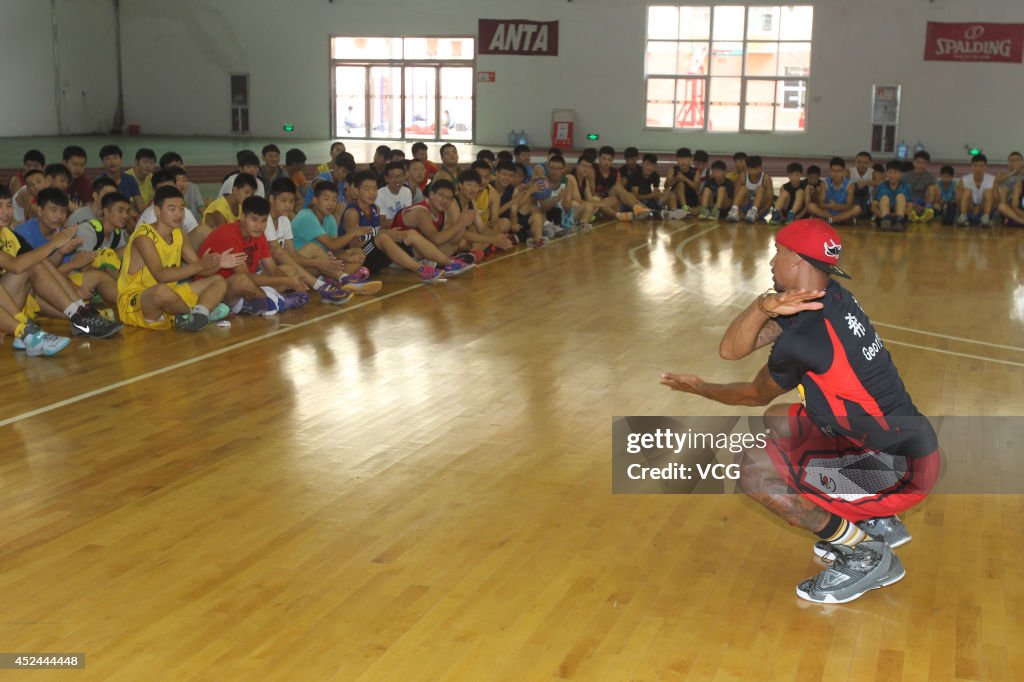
(793,302)
(687,383)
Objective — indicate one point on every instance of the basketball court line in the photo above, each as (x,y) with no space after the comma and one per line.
(679,255)
(282,328)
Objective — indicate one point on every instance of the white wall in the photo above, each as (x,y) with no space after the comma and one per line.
(179,55)
(86,67)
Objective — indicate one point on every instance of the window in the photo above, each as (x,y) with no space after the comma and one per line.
(728,68)
(403,88)
(240,103)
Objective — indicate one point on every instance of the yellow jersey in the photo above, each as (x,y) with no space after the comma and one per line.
(221,205)
(145,186)
(9,243)
(483,204)
(142,279)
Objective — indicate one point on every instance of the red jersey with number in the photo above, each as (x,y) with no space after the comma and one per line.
(400,217)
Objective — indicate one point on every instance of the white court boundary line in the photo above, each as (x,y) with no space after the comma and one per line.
(283,328)
(679,255)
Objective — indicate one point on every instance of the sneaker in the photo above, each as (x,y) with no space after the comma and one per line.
(569,218)
(190,322)
(665,214)
(295,299)
(428,273)
(332,295)
(549,230)
(715,213)
(888,529)
(536,243)
(986,220)
(514,238)
(465,258)
(734,215)
(90,323)
(219,312)
(363,288)
(253,306)
(790,217)
(586,228)
(624,217)
(913,214)
(642,211)
(704,215)
(961,221)
(478,255)
(360,275)
(19,343)
(776,218)
(900,224)
(457,267)
(857,570)
(886,224)
(679,213)
(39,343)
(927,216)
(751,216)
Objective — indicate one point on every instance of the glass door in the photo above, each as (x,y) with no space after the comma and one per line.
(456,103)
(350,101)
(421,102)
(385,95)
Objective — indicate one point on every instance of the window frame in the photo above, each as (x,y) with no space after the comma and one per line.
(402,63)
(707,77)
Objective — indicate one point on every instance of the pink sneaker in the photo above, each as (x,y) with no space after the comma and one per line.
(360,275)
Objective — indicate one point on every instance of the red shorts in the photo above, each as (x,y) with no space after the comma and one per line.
(847,478)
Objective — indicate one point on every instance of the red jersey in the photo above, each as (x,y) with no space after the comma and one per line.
(230,236)
(431,169)
(399,221)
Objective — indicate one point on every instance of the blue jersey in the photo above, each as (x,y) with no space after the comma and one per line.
(835,194)
(370,220)
(886,190)
(947,194)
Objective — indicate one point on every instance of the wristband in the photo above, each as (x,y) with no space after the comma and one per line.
(760,304)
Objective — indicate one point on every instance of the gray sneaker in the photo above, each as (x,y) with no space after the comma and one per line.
(888,529)
(866,567)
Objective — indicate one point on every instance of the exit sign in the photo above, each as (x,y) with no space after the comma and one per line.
(485,76)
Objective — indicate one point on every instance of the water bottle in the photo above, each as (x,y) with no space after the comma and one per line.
(918,147)
(522,137)
(512,137)
(901,151)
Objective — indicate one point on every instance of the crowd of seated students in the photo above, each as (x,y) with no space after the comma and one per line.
(142,247)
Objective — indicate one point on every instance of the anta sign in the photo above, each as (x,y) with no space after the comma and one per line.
(517,36)
(974,42)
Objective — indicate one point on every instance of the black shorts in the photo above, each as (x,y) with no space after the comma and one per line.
(376,260)
(524,220)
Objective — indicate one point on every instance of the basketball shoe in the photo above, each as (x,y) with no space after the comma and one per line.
(855,571)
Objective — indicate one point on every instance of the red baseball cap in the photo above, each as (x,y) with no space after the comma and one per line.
(816,241)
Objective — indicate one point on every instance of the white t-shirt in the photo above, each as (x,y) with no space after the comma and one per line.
(19,212)
(389,204)
(148,217)
(988,181)
(856,177)
(229,185)
(278,233)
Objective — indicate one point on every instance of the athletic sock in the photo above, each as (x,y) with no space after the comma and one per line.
(319,284)
(74,308)
(839,531)
(200,310)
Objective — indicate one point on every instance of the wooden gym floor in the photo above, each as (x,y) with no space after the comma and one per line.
(418,487)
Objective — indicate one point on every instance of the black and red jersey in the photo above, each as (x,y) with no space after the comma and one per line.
(848,381)
(603,184)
